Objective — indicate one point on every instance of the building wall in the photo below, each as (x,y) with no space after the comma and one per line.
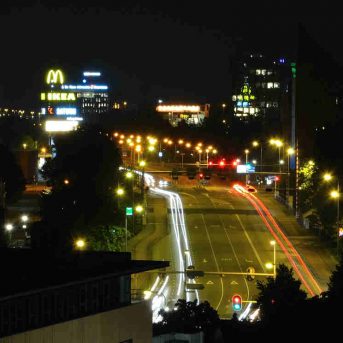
(127,324)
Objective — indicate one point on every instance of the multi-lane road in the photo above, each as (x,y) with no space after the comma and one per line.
(224,231)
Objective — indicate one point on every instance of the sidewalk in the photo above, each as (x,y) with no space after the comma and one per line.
(319,259)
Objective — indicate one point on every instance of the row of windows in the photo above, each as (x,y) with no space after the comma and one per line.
(92,104)
(62,304)
(263,72)
(268,85)
(250,110)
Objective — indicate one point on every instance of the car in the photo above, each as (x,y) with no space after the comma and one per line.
(251,189)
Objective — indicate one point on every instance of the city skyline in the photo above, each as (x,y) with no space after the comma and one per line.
(135,45)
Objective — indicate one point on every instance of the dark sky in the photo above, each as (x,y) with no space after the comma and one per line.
(150,49)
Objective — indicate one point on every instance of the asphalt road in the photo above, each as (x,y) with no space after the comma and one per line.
(226,235)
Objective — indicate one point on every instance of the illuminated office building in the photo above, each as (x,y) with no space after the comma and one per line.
(259,86)
(92,97)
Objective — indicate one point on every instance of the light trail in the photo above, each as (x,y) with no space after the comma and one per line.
(182,246)
(287,247)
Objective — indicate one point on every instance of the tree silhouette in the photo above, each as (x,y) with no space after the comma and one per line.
(188,317)
(280,296)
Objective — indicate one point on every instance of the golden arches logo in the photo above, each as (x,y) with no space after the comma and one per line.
(55,76)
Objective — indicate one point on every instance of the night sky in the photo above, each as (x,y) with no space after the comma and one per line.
(176,50)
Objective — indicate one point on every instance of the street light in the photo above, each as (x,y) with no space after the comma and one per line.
(255,144)
(24,218)
(139,209)
(120,191)
(278,143)
(273,243)
(80,244)
(334,194)
(246,162)
(9,228)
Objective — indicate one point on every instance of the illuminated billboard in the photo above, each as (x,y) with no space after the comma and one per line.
(58,96)
(55,76)
(66,111)
(178,108)
(60,125)
(245,168)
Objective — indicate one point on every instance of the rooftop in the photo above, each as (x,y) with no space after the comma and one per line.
(27,270)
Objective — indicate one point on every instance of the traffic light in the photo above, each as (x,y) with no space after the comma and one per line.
(201,176)
(237,302)
(277,178)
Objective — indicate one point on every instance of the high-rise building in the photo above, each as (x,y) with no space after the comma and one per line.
(259,85)
(92,97)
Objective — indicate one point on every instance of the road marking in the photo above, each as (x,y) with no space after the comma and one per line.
(204,260)
(226,259)
(234,283)
(215,261)
(249,261)
(209,282)
(250,242)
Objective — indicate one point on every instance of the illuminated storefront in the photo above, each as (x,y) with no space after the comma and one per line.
(191,114)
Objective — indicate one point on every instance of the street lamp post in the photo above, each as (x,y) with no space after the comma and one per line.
(273,243)
(335,194)
(256,144)
(246,162)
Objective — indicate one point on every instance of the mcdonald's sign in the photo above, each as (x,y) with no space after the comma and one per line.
(55,76)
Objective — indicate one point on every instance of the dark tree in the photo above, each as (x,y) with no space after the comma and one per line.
(11,175)
(189,317)
(280,296)
(335,289)
(83,175)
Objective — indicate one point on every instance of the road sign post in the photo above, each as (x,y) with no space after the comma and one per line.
(128,212)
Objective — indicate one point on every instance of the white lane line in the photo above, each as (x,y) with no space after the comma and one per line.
(215,260)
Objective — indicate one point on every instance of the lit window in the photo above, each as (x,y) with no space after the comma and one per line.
(263,71)
(252,110)
(258,71)
(270,85)
(269,72)
(246,97)
(268,104)
(276,85)
(234,98)
(245,104)
(239,103)
(240,97)
(245,110)
(275,104)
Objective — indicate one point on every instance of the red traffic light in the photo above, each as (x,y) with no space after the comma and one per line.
(237,302)
(201,175)
(277,178)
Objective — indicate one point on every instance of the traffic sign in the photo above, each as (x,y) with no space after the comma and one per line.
(129,211)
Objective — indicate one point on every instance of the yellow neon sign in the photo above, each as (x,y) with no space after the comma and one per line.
(55,76)
(58,96)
